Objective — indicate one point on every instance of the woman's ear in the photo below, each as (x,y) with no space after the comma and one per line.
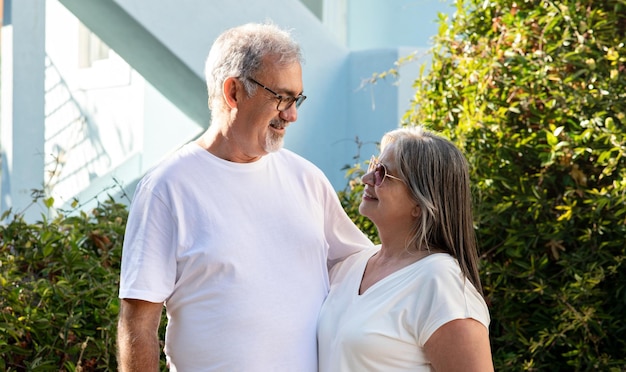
(229,90)
(417,211)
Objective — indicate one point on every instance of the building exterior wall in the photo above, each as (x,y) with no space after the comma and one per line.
(107,122)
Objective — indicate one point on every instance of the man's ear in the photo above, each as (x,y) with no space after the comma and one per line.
(230,88)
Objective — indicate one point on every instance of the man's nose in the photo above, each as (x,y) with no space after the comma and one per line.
(290,114)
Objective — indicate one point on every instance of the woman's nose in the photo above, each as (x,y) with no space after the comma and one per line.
(368,178)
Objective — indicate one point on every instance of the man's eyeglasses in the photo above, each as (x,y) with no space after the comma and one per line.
(284,102)
(380,172)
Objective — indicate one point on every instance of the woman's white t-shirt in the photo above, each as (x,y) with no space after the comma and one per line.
(385,328)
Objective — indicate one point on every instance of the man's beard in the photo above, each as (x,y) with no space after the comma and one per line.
(274,141)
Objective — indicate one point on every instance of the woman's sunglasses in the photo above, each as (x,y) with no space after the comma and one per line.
(380,172)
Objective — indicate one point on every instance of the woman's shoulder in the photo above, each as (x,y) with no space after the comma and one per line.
(441,270)
(440,263)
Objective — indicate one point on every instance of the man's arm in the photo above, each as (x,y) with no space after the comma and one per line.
(137,335)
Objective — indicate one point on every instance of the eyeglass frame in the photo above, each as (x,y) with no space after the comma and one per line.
(373,167)
(297,100)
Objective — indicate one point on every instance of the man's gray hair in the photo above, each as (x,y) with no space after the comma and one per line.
(239,52)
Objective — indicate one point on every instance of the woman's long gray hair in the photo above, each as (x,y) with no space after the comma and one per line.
(437,175)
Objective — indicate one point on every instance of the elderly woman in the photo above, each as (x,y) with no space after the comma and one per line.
(415,302)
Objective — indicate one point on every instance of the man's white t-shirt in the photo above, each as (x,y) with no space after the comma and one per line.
(239,253)
(385,328)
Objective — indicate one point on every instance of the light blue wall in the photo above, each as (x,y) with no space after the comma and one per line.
(364,37)
(393,23)
(379,33)
(378,107)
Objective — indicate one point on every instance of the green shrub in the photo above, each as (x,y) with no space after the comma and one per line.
(59,305)
(534,93)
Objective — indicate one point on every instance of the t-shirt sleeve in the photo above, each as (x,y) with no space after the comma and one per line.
(148,269)
(447,296)
(343,236)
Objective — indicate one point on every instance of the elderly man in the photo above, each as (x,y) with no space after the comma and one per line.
(233,233)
